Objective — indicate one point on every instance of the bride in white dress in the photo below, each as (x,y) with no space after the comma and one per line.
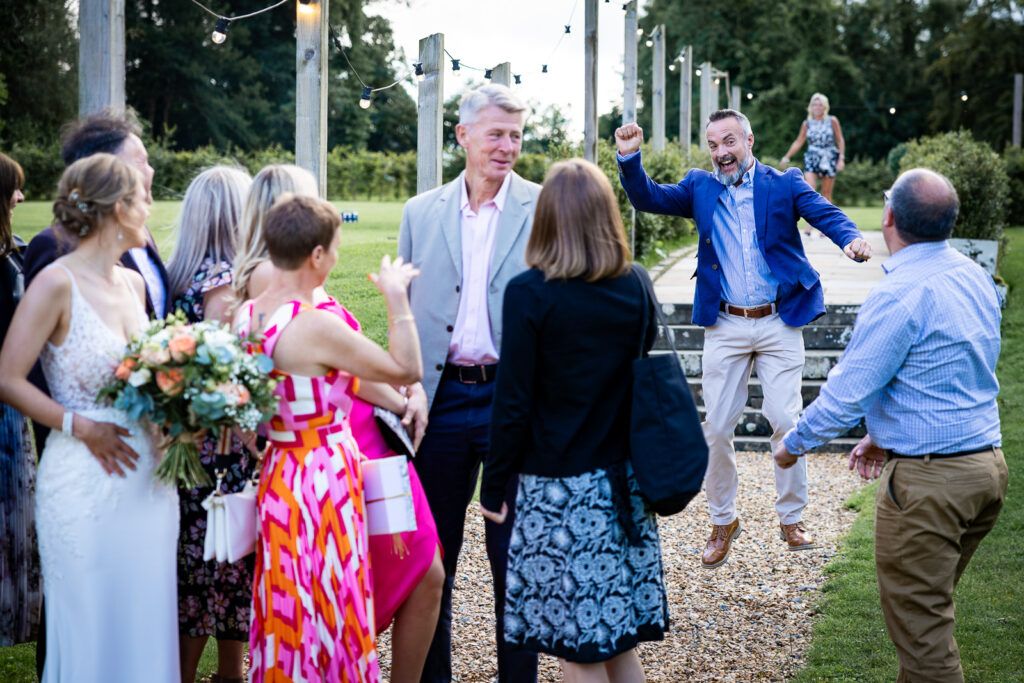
(107,529)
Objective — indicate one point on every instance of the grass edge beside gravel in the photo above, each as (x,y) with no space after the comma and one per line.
(850,642)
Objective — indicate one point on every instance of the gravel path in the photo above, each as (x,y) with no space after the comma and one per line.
(749,619)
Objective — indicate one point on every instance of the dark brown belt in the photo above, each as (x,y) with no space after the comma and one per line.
(749,312)
(470,374)
(937,456)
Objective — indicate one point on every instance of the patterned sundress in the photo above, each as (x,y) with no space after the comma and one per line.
(822,155)
(312,616)
(214,598)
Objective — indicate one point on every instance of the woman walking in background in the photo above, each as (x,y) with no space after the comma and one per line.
(585,579)
(826,148)
(214,598)
(20,589)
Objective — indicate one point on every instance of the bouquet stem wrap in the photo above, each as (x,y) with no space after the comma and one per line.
(180,465)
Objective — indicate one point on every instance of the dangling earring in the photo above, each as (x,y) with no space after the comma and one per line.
(120,235)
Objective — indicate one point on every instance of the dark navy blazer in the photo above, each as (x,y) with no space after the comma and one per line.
(780,200)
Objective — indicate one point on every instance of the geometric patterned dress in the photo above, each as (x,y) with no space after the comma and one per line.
(312,617)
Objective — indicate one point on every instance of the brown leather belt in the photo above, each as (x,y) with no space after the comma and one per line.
(470,374)
(937,456)
(749,312)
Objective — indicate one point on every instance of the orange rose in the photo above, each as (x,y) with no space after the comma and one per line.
(182,347)
(171,381)
(243,395)
(125,368)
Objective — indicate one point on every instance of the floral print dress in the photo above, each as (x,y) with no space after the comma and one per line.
(214,598)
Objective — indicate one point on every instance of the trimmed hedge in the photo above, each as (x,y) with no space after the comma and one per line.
(977,173)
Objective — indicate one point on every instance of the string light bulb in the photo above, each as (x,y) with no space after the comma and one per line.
(543,68)
(306,7)
(672,66)
(649,43)
(418,69)
(639,31)
(698,72)
(518,80)
(892,110)
(568,28)
(718,81)
(364,101)
(625,7)
(750,95)
(220,33)
(963,95)
(488,73)
(456,69)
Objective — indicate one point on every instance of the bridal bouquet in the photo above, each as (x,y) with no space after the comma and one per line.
(191,378)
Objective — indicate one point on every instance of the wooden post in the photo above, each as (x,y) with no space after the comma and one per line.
(311,90)
(590,82)
(658,92)
(101,55)
(502,74)
(629,66)
(1018,96)
(734,98)
(706,106)
(686,100)
(715,97)
(430,114)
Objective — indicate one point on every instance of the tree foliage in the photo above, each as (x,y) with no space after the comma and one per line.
(38,70)
(868,56)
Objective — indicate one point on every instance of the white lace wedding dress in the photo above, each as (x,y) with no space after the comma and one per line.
(107,543)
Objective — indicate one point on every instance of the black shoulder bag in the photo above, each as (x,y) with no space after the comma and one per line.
(667,446)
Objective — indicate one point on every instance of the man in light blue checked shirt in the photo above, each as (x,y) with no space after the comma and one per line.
(920,367)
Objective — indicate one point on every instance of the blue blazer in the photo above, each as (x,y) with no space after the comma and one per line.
(780,200)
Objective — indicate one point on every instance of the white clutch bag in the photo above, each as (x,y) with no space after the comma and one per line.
(231,521)
(388,493)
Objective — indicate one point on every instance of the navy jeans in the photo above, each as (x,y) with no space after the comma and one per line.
(448,462)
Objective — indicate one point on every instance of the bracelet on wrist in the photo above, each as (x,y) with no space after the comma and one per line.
(785,160)
(408,317)
(67,425)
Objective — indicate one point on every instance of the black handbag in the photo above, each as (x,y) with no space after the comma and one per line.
(666,441)
(393,431)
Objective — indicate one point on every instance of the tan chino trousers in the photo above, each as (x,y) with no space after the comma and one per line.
(930,516)
(732,347)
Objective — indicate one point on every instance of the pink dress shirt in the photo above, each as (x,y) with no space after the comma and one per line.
(472,342)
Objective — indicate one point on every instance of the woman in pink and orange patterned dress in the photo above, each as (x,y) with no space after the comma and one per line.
(313,615)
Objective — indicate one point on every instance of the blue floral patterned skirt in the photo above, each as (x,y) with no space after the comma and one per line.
(585,580)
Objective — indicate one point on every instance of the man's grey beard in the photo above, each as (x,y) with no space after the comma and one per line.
(732,178)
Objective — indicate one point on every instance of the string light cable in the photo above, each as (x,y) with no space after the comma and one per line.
(220,32)
(364,99)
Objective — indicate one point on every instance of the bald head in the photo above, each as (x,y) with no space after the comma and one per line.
(924,206)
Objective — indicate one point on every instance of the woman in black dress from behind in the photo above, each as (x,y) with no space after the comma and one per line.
(585,578)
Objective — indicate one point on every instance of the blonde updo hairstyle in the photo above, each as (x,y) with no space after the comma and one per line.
(251,248)
(824,103)
(89,191)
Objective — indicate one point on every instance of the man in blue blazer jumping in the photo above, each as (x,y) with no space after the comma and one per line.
(755,290)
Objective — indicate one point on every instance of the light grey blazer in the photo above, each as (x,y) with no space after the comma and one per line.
(431,239)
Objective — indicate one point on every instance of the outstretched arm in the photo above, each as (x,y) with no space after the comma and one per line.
(830,220)
(801,137)
(840,144)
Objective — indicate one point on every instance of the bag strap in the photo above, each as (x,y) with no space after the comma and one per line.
(651,300)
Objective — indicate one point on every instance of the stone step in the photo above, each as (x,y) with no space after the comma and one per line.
(754,423)
(835,314)
(821,337)
(817,362)
(761,444)
(755,395)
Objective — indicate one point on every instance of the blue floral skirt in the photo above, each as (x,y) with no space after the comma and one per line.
(585,579)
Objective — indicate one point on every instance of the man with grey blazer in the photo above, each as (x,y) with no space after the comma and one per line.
(468,239)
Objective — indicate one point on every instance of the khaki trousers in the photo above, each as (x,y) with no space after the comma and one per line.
(731,348)
(930,516)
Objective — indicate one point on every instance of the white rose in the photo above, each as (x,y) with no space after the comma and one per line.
(139,377)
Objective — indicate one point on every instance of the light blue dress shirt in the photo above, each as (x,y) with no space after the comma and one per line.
(746,278)
(921,362)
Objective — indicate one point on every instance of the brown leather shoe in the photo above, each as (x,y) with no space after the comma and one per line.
(717,549)
(796,536)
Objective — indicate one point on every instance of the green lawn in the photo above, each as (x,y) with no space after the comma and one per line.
(850,641)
